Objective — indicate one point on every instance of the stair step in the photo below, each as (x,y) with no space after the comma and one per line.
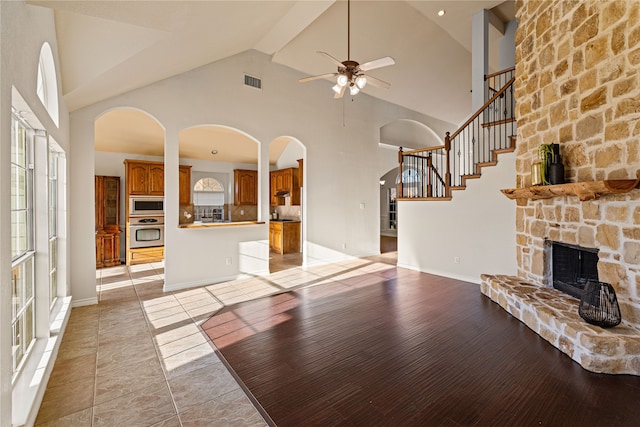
(485,164)
(499,122)
(473,176)
(458,187)
(504,150)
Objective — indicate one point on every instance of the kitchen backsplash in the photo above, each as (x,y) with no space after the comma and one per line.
(243,213)
(289,212)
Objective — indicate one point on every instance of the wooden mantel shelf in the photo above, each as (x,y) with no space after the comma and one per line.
(587,190)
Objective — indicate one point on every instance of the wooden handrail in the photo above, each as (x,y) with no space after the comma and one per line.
(486,104)
(497,73)
(420,150)
(427,153)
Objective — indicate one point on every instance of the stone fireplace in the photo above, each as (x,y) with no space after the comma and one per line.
(571,267)
(578,85)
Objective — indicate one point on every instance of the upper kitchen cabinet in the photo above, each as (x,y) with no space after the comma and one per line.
(246,187)
(285,182)
(144,178)
(185,185)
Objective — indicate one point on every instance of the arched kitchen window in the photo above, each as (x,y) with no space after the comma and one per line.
(208,200)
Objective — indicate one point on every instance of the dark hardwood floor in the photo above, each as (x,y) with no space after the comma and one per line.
(383,346)
(388,244)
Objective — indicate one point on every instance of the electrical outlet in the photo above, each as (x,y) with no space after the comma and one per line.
(456,260)
(228,260)
(241,211)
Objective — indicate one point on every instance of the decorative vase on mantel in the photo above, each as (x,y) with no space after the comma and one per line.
(556,168)
(552,168)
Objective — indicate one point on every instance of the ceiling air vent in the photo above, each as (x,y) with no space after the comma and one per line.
(252,81)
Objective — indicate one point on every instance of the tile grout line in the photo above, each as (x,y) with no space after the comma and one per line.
(155,346)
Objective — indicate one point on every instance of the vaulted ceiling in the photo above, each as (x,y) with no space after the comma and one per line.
(110,47)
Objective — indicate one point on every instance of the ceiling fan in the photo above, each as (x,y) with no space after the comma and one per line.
(350,73)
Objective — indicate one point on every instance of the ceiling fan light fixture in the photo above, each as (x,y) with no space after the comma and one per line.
(337,88)
(361,82)
(342,80)
(353,89)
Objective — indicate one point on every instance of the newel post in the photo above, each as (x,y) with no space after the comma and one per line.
(447,148)
(400,157)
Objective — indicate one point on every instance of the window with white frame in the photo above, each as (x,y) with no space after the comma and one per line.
(208,200)
(46,83)
(22,243)
(54,156)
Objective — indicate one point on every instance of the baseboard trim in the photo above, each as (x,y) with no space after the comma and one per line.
(83,302)
(470,279)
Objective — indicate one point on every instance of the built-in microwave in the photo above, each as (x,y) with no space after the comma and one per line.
(146,205)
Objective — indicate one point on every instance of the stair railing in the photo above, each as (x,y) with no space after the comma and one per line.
(431,173)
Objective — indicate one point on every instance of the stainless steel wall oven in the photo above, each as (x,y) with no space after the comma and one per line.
(146,231)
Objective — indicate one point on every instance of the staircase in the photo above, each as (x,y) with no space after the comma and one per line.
(433,173)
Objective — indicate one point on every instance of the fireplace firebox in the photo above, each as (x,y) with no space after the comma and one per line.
(572,266)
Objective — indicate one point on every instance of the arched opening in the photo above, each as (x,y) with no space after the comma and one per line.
(409,134)
(287,190)
(129,166)
(47,83)
(223,177)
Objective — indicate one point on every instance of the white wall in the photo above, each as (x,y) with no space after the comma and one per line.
(507,45)
(342,159)
(290,155)
(477,226)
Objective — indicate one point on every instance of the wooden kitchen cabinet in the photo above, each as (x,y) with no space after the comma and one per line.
(284,236)
(184,185)
(156,179)
(144,178)
(107,210)
(272,188)
(284,180)
(145,255)
(246,187)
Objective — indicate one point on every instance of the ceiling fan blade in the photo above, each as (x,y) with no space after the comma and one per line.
(321,76)
(332,59)
(378,63)
(377,82)
(339,94)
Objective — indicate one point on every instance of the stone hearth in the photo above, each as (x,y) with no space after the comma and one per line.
(577,85)
(553,315)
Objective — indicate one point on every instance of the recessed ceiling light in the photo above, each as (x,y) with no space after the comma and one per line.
(441,12)
(214,152)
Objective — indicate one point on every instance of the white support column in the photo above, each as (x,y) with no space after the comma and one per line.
(479,57)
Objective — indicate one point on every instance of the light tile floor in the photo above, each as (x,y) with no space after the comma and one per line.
(139,357)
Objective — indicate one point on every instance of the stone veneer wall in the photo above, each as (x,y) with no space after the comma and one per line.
(578,84)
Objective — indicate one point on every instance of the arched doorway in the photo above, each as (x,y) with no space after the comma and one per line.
(287,190)
(121,135)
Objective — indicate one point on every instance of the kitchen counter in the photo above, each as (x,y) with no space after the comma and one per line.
(218,224)
(284,236)
(284,220)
